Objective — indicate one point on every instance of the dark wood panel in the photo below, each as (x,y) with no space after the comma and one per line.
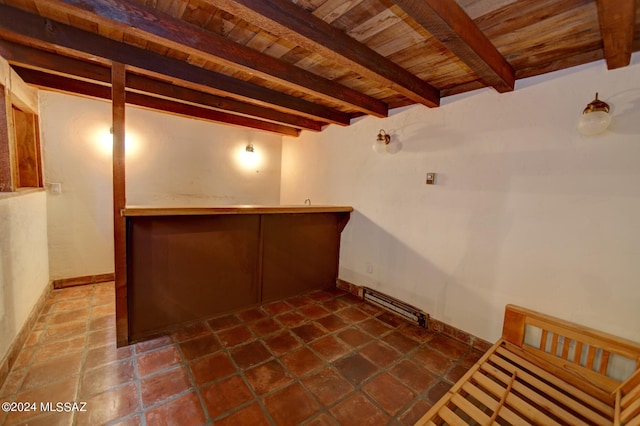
(187,268)
(300,253)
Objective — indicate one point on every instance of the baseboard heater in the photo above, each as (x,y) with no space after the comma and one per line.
(395,306)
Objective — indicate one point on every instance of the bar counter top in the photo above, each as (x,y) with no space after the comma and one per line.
(131,211)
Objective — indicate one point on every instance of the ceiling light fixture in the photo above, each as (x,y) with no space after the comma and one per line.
(595,118)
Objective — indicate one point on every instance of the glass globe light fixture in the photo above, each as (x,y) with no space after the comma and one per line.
(595,118)
(382,142)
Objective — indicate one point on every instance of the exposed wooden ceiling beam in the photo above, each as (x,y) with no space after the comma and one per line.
(617,18)
(31,57)
(69,85)
(151,24)
(449,23)
(287,20)
(37,29)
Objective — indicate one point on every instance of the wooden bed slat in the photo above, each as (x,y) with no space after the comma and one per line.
(515,402)
(471,410)
(604,362)
(555,395)
(633,422)
(633,410)
(505,412)
(554,344)
(450,417)
(543,340)
(565,349)
(567,387)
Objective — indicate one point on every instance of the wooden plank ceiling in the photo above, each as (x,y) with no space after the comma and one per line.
(285,66)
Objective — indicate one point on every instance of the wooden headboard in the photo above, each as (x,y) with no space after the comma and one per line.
(576,353)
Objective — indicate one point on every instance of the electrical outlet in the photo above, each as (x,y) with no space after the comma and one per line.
(369,267)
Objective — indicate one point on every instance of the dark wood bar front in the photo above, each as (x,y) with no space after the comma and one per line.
(187,264)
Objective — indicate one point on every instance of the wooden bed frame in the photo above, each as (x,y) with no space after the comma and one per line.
(546,371)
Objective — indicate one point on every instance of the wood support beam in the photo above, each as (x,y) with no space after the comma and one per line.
(23,56)
(119,201)
(70,85)
(288,20)
(50,33)
(617,19)
(449,23)
(151,24)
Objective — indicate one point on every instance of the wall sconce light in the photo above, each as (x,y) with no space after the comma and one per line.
(595,118)
(381,144)
(249,148)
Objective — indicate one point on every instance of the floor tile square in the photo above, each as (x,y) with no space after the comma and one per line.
(163,386)
(265,326)
(412,375)
(212,367)
(282,342)
(226,395)
(251,354)
(389,393)
(291,406)
(184,411)
(355,368)
(235,336)
(52,371)
(380,353)
(309,332)
(106,377)
(374,327)
(355,337)
(358,410)
(151,362)
(449,347)
(200,346)
(313,311)
(432,360)
(330,348)
(224,322)
(302,362)
(400,342)
(250,415)
(110,405)
(331,322)
(327,386)
(192,331)
(251,315)
(276,308)
(352,315)
(291,319)
(268,377)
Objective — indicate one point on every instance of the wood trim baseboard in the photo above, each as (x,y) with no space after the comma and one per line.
(18,341)
(433,324)
(88,279)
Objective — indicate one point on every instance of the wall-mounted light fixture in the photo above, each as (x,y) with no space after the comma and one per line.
(595,118)
(249,148)
(381,144)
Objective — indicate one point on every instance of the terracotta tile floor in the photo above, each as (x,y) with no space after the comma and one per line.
(323,358)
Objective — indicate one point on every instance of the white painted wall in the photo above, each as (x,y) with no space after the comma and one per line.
(24,266)
(525,211)
(170,161)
